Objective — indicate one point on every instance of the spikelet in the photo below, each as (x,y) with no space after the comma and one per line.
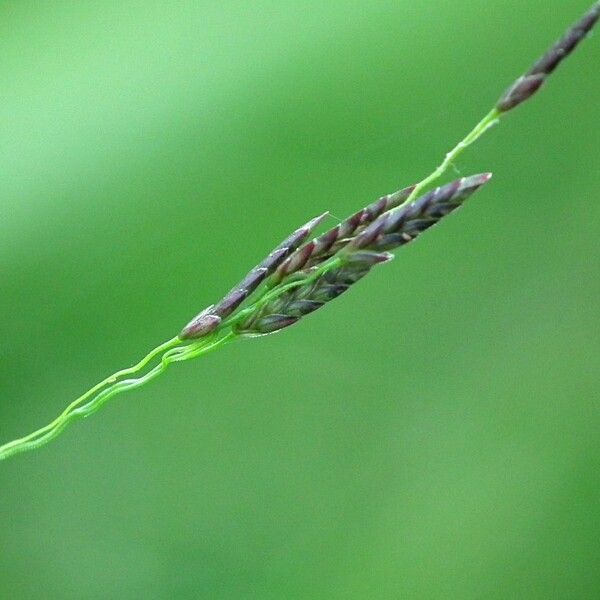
(210,318)
(399,227)
(330,242)
(295,303)
(527,85)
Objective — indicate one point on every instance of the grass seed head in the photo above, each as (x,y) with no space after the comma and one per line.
(358,256)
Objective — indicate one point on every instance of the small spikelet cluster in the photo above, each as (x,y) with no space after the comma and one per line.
(331,242)
(210,318)
(290,257)
(527,85)
(399,227)
(292,305)
(363,252)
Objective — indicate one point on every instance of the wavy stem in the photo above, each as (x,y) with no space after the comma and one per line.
(92,400)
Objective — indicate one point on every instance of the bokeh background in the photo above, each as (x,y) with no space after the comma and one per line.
(433,434)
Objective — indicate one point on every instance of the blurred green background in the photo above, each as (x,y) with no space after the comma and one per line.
(432,435)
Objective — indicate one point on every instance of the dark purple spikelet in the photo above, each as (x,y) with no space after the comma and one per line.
(527,85)
(293,304)
(201,325)
(364,251)
(330,242)
(210,318)
(401,226)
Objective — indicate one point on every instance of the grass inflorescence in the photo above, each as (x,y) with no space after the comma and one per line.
(301,275)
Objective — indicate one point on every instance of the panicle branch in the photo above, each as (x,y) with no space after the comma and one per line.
(391,229)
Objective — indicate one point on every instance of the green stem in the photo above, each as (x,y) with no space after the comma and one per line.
(97,396)
(170,357)
(488,121)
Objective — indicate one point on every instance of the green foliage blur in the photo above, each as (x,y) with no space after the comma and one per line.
(432,434)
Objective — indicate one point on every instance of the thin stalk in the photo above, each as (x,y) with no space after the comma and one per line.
(95,397)
(486,123)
